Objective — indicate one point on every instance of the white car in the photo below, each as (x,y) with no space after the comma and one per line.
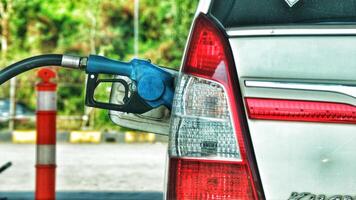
(264,104)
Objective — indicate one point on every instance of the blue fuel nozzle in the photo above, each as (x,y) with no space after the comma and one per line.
(154,86)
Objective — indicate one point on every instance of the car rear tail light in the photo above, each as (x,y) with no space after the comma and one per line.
(208,158)
(201,124)
(209,180)
(298,110)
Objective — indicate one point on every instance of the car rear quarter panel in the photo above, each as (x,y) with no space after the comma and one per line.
(300,156)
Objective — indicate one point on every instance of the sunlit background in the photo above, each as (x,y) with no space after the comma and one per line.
(123,160)
(84,27)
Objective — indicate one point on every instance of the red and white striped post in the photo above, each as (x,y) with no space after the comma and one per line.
(46,136)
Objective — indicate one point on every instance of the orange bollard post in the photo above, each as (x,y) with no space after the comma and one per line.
(46,136)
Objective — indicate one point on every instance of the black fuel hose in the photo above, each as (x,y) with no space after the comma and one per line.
(5,166)
(67,61)
(28,64)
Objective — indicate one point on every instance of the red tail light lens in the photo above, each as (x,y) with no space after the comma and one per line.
(296,110)
(209,180)
(208,157)
(206,51)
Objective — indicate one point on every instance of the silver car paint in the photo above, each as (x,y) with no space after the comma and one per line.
(300,156)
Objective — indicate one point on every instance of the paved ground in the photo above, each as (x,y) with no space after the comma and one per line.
(104,171)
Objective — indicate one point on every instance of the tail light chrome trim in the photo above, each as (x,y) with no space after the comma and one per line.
(323,30)
(342,89)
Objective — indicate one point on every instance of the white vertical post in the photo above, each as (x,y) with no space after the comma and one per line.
(12,108)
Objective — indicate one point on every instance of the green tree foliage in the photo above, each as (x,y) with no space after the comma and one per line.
(90,26)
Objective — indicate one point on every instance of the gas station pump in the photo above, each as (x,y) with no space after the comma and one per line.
(149,88)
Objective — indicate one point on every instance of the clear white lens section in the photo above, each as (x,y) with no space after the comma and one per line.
(201,122)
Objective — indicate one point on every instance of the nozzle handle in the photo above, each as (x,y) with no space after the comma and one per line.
(132,104)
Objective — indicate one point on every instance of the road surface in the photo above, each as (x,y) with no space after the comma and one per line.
(102,171)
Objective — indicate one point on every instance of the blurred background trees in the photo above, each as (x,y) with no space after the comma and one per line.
(81,27)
